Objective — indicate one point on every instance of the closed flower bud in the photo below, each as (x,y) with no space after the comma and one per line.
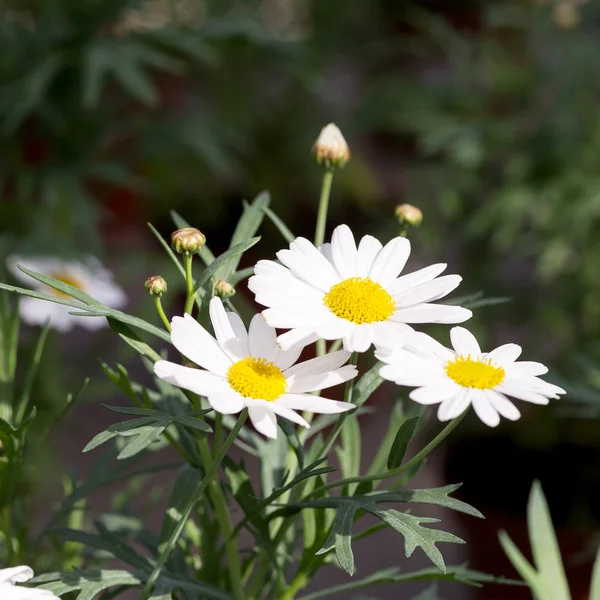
(188,240)
(331,149)
(224,289)
(156,285)
(409,215)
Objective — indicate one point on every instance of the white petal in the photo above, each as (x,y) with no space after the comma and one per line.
(424,345)
(298,337)
(307,263)
(11,592)
(485,411)
(402,375)
(432,313)
(263,418)
(37,312)
(368,249)
(525,369)
(284,359)
(451,408)
(293,317)
(321,381)
(239,330)
(407,282)
(428,291)
(233,346)
(503,405)
(360,339)
(389,335)
(194,342)
(194,380)
(343,251)
(505,355)
(262,339)
(19,574)
(432,394)
(334,328)
(464,342)
(314,404)
(320,364)
(289,414)
(327,252)
(227,402)
(390,261)
(522,394)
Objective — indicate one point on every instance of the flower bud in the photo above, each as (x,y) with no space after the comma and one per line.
(224,289)
(409,215)
(156,285)
(188,240)
(331,149)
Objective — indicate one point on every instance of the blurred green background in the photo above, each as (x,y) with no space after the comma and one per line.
(484,114)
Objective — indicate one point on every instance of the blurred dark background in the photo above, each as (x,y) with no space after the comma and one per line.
(483,114)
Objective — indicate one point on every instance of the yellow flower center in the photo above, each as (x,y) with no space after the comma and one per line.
(257,378)
(360,300)
(480,374)
(67,278)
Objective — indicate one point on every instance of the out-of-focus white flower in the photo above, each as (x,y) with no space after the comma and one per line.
(89,276)
(10,591)
(341,291)
(456,379)
(247,369)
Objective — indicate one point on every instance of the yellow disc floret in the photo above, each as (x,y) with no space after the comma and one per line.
(67,278)
(257,378)
(360,300)
(480,374)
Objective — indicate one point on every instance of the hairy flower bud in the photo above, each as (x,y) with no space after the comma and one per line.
(188,240)
(224,289)
(331,149)
(156,285)
(409,215)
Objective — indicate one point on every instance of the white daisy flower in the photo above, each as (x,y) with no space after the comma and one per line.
(10,591)
(457,378)
(247,369)
(341,291)
(90,277)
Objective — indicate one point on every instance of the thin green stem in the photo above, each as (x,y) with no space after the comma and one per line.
(337,428)
(172,541)
(323,207)
(299,582)
(224,520)
(440,437)
(161,313)
(189,282)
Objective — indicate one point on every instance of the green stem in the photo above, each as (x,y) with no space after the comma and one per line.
(222,514)
(172,541)
(299,582)
(189,282)
(440,437)
(323,206)
(337,428)
(161,313)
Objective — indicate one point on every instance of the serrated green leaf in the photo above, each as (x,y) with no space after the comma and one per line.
(544,546)
(401,441)
(340,537)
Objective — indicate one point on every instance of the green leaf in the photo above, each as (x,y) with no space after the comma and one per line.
(431,593)
(247,226)
(349,453)
(229,255)
(403,437)
(522,566)
(396,419)
(144,436)
(184,488)
(367,384)
(415,535)
(133,340)
(595,586)
(287,235)
(340,537)
(544,546)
